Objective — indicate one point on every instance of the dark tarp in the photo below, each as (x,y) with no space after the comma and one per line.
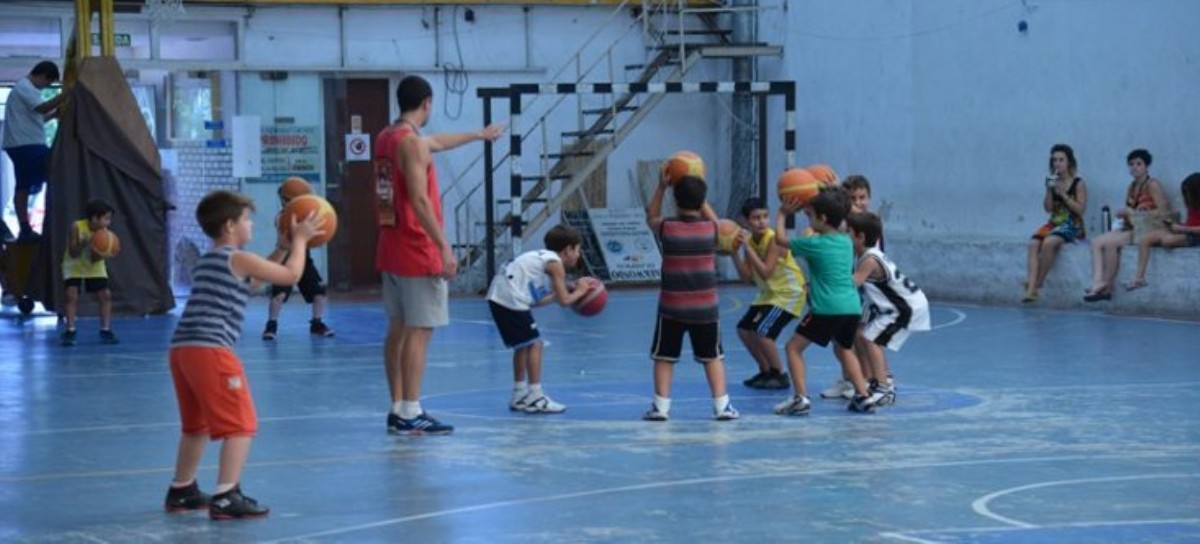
(104,149)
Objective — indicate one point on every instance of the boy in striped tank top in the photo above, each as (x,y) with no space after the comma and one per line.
(687,303)
(210,383)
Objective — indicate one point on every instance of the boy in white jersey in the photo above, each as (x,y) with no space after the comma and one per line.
(782,288)
(534,278)
(893,305)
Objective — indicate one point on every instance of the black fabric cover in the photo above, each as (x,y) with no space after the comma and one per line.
(104,149)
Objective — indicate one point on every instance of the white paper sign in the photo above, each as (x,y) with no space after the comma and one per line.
(629,248)
(358,147)
(247,146)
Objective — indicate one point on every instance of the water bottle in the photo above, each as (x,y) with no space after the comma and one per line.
(1105,219)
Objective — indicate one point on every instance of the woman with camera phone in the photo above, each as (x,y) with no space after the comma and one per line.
(1065,199)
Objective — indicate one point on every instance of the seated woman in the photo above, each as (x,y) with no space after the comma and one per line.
(1145,194)
(1175,235)
(1065,200)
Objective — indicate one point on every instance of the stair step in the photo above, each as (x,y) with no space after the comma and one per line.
(551,176)
(601,111)
(577,133)
(568,154)
(696,45)
(698,32)
(526,200)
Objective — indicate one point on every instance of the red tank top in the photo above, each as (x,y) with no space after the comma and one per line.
(405,249)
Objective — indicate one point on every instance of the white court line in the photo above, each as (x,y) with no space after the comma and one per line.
(980,505)
(962,316)
(698,481)
(1082,524)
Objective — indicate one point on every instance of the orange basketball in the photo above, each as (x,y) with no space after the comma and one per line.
(105,243)
(798,185)
(293,187)
(683,163)
(300,207)
(727,236)
(823,173)
(594,301)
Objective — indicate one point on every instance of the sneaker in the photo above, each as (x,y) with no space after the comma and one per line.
(518,401)
(776,381)
(68,337)
(180,499)
(861,405)
(841,389)
(316,327)
(754,381)
(544,405)
(233,504)
(653,414)
(727,413)
(270,330)
(881,395)
(107,337)
(422,424)
(797,405)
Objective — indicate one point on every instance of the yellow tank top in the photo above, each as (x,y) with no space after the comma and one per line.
(787,285)
(82,266)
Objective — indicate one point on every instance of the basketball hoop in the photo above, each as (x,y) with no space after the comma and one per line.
(163,12)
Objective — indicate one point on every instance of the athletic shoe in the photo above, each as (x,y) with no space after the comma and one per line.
(653,414)
(180,499)
(881,395)
(727,413)
(776,380)
(68,337)
(107,337)
(796,405)
(518,401)
(270,330)
(316,327)
(861,405)
(754,381)
(233,504)
(422,424)
(841,389)
(544,405)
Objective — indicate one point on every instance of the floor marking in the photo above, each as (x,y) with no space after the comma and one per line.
(962,316)
(980,505)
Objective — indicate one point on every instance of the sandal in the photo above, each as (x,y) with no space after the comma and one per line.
(1098,296)
(1029,297)
(1134,285)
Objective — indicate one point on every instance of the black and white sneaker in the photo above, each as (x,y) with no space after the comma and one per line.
(182,499)
(233,504)
(861,404)
(653,414)
(797,405)
(422,424)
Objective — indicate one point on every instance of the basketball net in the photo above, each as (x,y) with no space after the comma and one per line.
(163,12)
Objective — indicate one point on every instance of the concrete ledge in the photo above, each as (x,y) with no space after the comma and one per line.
(992,272)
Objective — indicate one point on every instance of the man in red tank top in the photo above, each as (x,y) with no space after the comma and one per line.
(413,255)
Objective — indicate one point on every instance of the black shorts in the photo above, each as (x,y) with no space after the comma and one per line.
(311,285)
(517,327)
(87,285)
(765,320)
(668,340)
(29,166)
(820,328)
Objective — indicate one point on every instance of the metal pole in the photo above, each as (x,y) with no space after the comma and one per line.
(489,213)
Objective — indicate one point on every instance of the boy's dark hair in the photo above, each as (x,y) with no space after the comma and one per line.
(833,203)
(411,92)
(561,237)
(1066,150)
(46,69)
(867,224)
(857,181)
(1191,191)
(97,207)
(1139,154)
(689,193)
(218,208)
(751,204)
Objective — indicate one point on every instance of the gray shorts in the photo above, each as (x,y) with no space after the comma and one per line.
(418,301)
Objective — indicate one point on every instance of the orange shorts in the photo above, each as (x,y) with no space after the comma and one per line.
(213,394)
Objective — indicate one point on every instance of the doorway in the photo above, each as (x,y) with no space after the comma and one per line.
(353,105)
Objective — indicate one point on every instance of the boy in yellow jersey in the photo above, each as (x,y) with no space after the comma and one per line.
(84,270)
(781,293)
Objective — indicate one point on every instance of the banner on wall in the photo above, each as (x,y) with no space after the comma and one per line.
(290,150)
(629,248)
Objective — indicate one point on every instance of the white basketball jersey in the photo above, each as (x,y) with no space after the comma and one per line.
(523,281)
(894,298)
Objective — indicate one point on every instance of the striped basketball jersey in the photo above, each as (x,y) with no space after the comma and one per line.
(786,286)
(689,269)
(893,297)
(523,281)
(214,311)
(83,266)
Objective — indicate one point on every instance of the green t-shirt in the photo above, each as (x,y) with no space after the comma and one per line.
(830,273)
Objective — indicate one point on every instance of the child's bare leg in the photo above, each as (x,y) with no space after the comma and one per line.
(533,363)
(877,362)
(861,348)
(72,306)
(850,365)
(105,298)
(318,307)
(714,371)
(187,461)
(275,306)
(663,370)
(234,451)
(795,354)
(770,354)
(520,364)
(754,346)
(1046,257)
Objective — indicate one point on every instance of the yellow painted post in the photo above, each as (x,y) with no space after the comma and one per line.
(83,29)
(108,47)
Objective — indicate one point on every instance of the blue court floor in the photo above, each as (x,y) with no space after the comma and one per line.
(1012,425)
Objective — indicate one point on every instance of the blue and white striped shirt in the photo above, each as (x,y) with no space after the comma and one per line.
(215,310)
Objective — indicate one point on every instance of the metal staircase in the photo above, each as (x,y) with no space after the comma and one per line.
(678,37)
